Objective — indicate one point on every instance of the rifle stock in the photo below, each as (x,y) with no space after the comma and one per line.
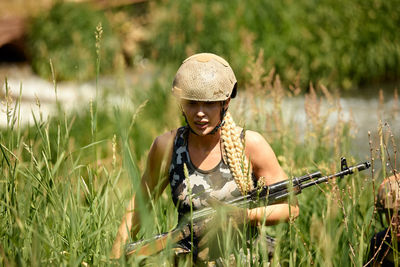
(157,243)
(265,195)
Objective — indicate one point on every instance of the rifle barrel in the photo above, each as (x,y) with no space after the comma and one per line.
(284,185)
(258,194)
(347,171)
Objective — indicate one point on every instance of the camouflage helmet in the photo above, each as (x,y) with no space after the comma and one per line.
(389,193)
(204,77)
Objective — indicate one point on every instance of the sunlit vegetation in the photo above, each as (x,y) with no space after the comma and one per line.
(66,180)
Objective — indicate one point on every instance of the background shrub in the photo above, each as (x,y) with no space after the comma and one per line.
(339,42)
(66,35)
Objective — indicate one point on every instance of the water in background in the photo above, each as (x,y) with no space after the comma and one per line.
(365,116)
(363,109)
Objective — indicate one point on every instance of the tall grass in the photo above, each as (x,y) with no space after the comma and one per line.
(64,192)
(335,221)
(64,33)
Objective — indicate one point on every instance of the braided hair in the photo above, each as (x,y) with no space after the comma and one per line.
(233,149)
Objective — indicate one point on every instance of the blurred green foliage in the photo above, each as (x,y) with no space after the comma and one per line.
(340,43)
(66,35)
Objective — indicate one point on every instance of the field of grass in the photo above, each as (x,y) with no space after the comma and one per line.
(66,180)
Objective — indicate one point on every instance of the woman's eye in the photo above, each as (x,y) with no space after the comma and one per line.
(188,103)
(211,103)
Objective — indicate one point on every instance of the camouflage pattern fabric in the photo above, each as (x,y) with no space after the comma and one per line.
(217,183)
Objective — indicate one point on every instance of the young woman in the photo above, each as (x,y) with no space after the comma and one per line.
(223,161)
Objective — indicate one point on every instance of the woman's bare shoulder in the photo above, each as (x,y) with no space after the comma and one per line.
(254,139)
(263,158)
(159,157)
(163,143)
(258,149)
(165,139)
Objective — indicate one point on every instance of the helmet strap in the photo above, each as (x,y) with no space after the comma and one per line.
(187,123)
(222,121)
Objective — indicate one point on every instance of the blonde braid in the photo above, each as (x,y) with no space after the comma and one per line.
(234,151)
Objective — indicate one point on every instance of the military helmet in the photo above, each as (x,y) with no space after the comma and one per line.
(204,77)
(389,193)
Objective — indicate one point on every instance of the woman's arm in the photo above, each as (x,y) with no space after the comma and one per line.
(265,166)
(154,180)
(123,230)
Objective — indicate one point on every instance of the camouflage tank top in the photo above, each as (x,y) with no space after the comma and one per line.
(217,182)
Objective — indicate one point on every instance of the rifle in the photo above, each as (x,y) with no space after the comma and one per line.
(258,197)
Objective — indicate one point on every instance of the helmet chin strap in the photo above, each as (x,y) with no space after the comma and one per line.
(187,123)
(222,121)
(220,124)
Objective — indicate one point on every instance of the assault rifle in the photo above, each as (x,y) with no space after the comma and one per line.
(258,197)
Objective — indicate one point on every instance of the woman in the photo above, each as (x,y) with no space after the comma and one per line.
(223,161)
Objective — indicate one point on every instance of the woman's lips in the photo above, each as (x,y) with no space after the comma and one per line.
(201,125)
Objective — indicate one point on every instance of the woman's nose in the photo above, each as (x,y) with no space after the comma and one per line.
(200,111)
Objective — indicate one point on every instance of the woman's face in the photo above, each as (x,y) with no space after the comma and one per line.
(202,116)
